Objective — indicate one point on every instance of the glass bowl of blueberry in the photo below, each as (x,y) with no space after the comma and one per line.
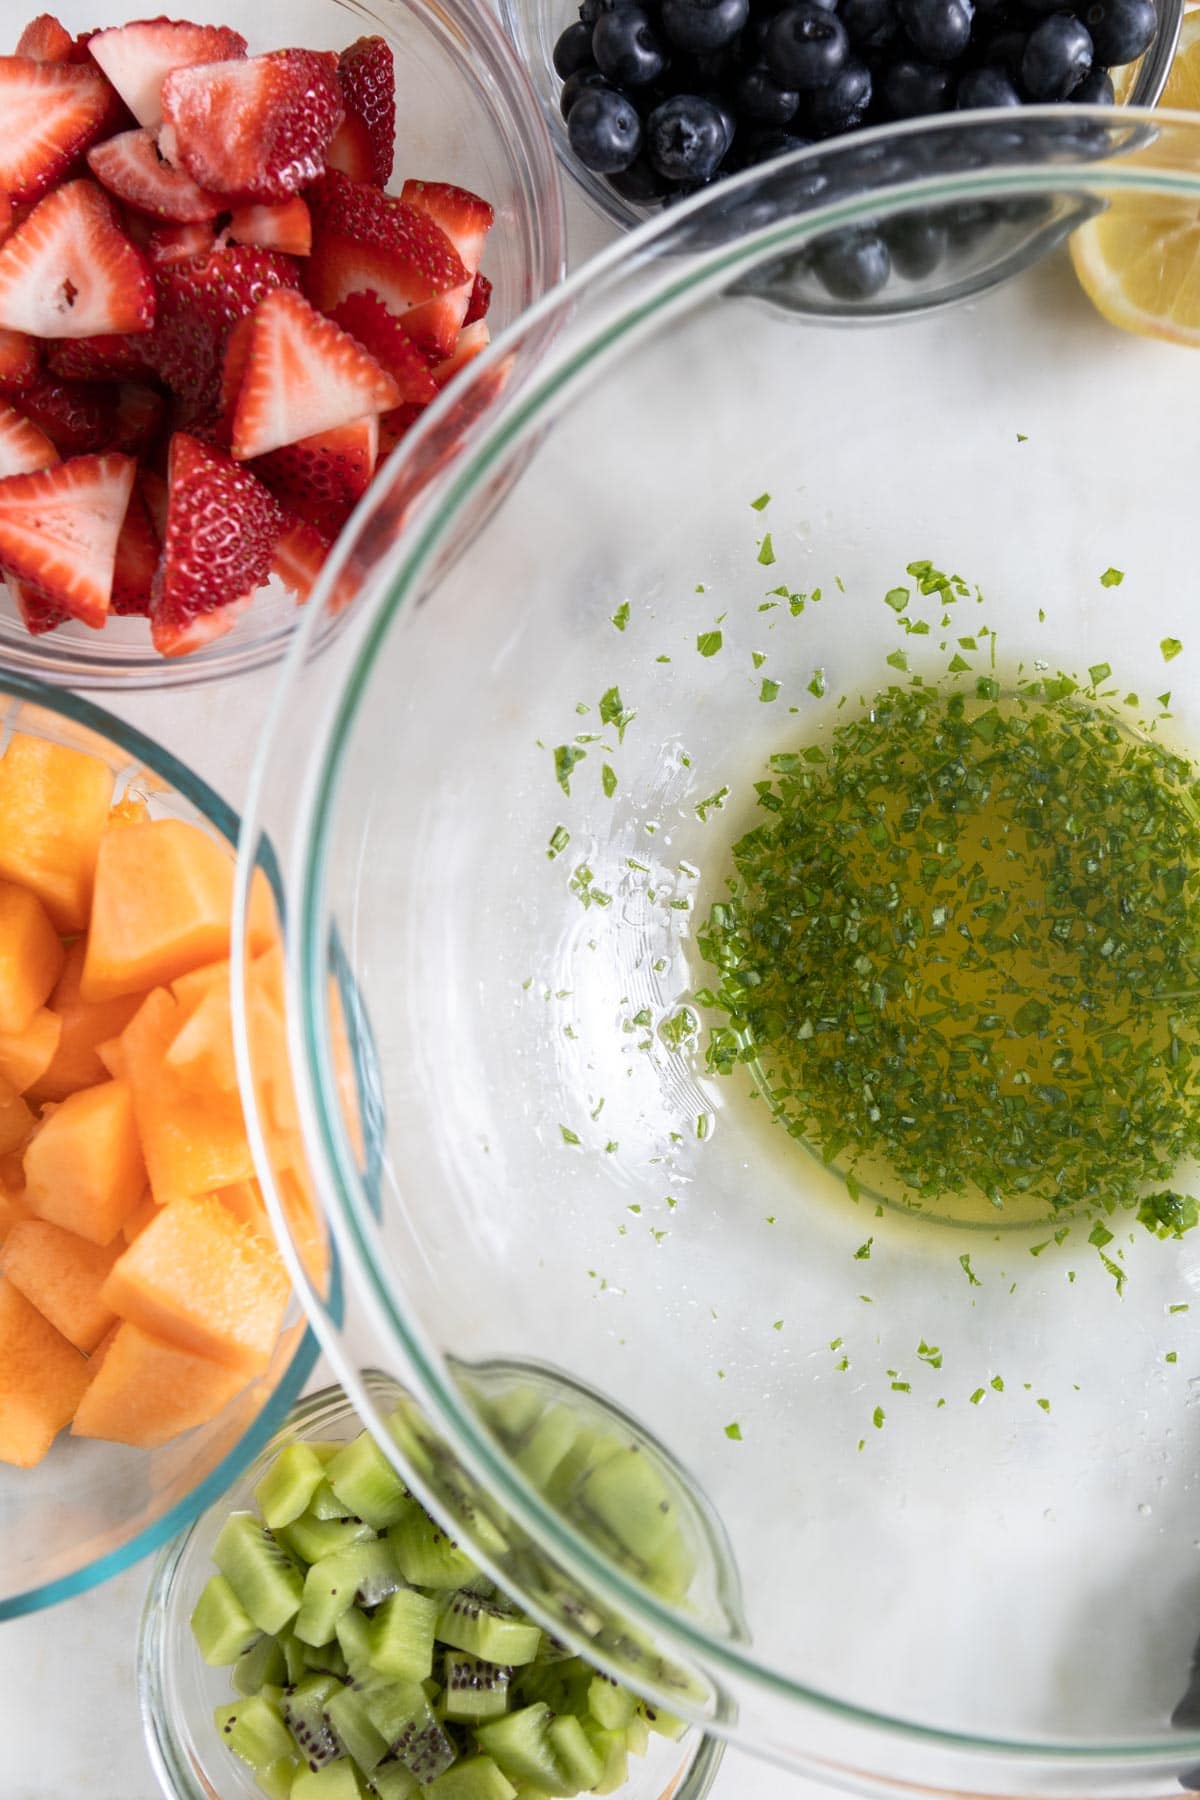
(650,100)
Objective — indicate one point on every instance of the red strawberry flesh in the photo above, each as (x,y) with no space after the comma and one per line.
(23,448)
(79,417)
(199,299)
(70,271)
(137,58)
(463,216)
(303,375)
(367,75)
(59,529)
(46,40)
(222,526)
(366,318)
(254,129)
(51,113)
(130,167)
(322,478)
(364,239)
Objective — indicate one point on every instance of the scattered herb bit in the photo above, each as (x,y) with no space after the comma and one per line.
(898,659)
(897,598)
(769,690)
(1170,648)
(1022,437)
(614,712)
(977,1396)
(1168,1214)
(676,1031)
(778,1325)
(766,552)
(560,837)
(569,1136)
(709,642)
(835,1343)
(611,1146)
(1099,672)
(734,1431)
(763,500)
(1112,577)
(929,1353)
(1045,1405)
(1100,1235)
(714,803)
(565,758)
(863,1253)
(1115,1270)
(621,617)
(997,1382)
(1171,1356)
(608,780)
(1179,1306)
(816,686)
(758,658)
(968,1271)
(877,1418)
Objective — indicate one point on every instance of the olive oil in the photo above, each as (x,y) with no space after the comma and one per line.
(959,952)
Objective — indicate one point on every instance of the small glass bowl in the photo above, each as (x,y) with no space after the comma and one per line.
(535,26)
(466,113)
(92,1508)
(178,1692)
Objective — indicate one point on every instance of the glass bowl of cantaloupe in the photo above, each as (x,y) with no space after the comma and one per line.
(149,1341)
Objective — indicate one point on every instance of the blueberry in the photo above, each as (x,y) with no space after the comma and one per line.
(871,24)
(640,182)
(1005,51)
(758,96)
(940,30)
(806,45)
(573,50)
(917,242)
(854,264)
(685,138)
(700,25)
(753,147)
(988,86)
(589,12)
(1120,30)
(577,84)
(909,88)
(626,49)
(969,223)
(713,66)
(1057,57)
(1095,89)
(840,106)
(604,130)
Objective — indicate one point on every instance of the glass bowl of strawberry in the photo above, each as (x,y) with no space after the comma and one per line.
(235,267)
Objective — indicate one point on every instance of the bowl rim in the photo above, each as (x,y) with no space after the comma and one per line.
(26,689)
(472,34)
(335,1170)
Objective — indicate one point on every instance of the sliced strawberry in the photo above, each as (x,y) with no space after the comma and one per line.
(366,318)
(397,424)
(285,226)
(322,478)
(51,113)
(473,340)
(481,299)
(23,448)
(364,239)
(137,58)
(6,216)
(233,368)
(79,417)
(130,167)
(299,557)
(175,243)
(154,493)
(46,40)
(38,612)
(256,129)
(463,216)
(59,529)
(136,561)
(222,526)
(350,151)
(112,356)
(19,359)
(303,375)
(198,300)
(141,418)
(434,325)
(70,271)
(367,76)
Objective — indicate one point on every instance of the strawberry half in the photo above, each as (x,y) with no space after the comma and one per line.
(366,318)
(303,375)
(299,557)
(364,239)
(141,415)
(46,40)
(69,270)
(136,559)
(138,58)
(434,325)
(59,529)
(473,340)
(130,167)
(79,417)
(199,299)
(285,226)
(19,359)
(351,151)
(113,356)
(463,216)
(256,129)
(39,614)
(221,530)
(175,243)
(6,217)
(322,478)
(367,76)
(23,448)
(481,299)
(52,113)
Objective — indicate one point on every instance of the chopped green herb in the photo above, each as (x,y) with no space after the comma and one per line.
(1022,437)
(614,712)
(569,1136)
(766,551)
(758,658)
(1179,1306)
(763,500)
(1100,1235)
(816,686)
(977,1396)
(877,1418)
(863,1253)
(897,598)
(621,617)
(608,779)
(565,758)
(968,1271)
(1045,1405)
(1171,1356)
(777,1325)
(1112,577)
(1099,672)
(560,837)
(1170,648)
(997,1382)
(714,803)
(1168,1215)
(929,1353)
(769,690)
(709,642)
(734,1431)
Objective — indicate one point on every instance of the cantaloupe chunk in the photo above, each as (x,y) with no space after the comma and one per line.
(75,1062)
(31,956)
(12,1209)
(306,1227)
(262,916)
(53,809)
(202,1051)
(42,1379)
(139,1218)
(62,1275)
(16,1119)
(268,1041)
(244,1200)
(162,906)
(146,1391)
(198,1278)
(190,989)
(193,1142)
(26,1055)
(83,1165)
(130,809)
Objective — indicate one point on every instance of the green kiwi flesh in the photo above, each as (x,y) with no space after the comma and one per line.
(288,1486)
(475,1778)
(221,1626)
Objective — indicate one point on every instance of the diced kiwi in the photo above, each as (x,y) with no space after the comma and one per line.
(573,1753)
(427,1557)
(363,1575)
(520,1744)
(262,1665)
(288,1485)
(265,1579)
(403,1717)
(325,1659)
(221,1626)
(470,1623)
(366,1483)
(333,1781)
(392,1781)
(627,1498)
(303,1710)
(354,1642)
(474,1778)
(326,1505)
(562,1685)
(590,1446)
(614,1757)
(547,1444)
(611,1705)
(474,1691)
(665,1723)
(401,1635)
(346,1712)
(254,1730)
(637,1734)
(311,1538)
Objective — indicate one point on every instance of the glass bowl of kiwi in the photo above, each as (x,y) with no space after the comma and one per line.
(316,1636)
(740,872)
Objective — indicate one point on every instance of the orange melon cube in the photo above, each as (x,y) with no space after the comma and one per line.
(305,1224)
(76,1062)
(53,809)
(146,1391)
(139,1218)
(268,1042)
(16,1119)
(192,1141)
(197,984)
(244,1200)
(62,1276)
(130,809)
(111,1059)
(12,1209)
(262,916)
(202,1051)
(83,1166)
(26,1055)
(42,1379)
(31,956)
(196,1277)
(162,905)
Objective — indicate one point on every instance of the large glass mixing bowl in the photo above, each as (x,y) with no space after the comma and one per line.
(957,1465)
